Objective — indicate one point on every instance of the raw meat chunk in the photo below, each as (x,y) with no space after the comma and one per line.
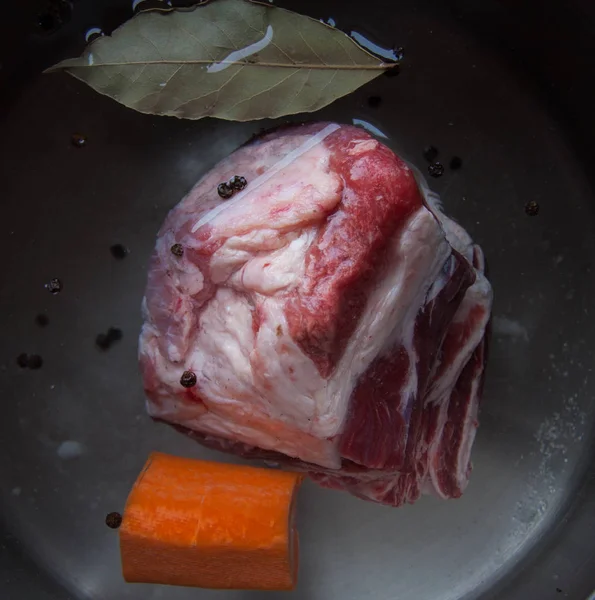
(333,316)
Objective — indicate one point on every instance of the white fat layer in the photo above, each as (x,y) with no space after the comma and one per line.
(259,391)
(479,294)
(469,427)
(177,286)
(286,161)
(280,270)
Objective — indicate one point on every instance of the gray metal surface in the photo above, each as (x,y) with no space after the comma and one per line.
(494,85)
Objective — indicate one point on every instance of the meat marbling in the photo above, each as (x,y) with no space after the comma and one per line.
(334,317)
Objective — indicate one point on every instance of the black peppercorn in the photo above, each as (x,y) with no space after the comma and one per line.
(104,340)
(113,520)
(532,208)
(23,360)
(224,190)
(237,182)
(114,334)
(54,286)
(119,251)
(436,169)
(177,250)
(188,379)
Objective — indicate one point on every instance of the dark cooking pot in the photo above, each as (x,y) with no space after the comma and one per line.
(506,86)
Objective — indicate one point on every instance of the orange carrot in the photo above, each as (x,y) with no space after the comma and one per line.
(212,525)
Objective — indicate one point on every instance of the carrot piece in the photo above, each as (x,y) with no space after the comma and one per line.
(211,525)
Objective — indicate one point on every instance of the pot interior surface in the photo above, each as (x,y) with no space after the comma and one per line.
(74,432)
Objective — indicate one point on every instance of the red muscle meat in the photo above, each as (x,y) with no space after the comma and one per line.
(333,316)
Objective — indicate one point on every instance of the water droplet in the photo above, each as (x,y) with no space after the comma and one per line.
(392,54)
(369,128)
(70,449)
(119,251)
(436,169)
(532,208)
(78,140)
(93,33)
(245,54)
(374,101)
(430,153)
(54,286)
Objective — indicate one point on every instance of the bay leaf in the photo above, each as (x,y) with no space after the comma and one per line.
(230,59)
